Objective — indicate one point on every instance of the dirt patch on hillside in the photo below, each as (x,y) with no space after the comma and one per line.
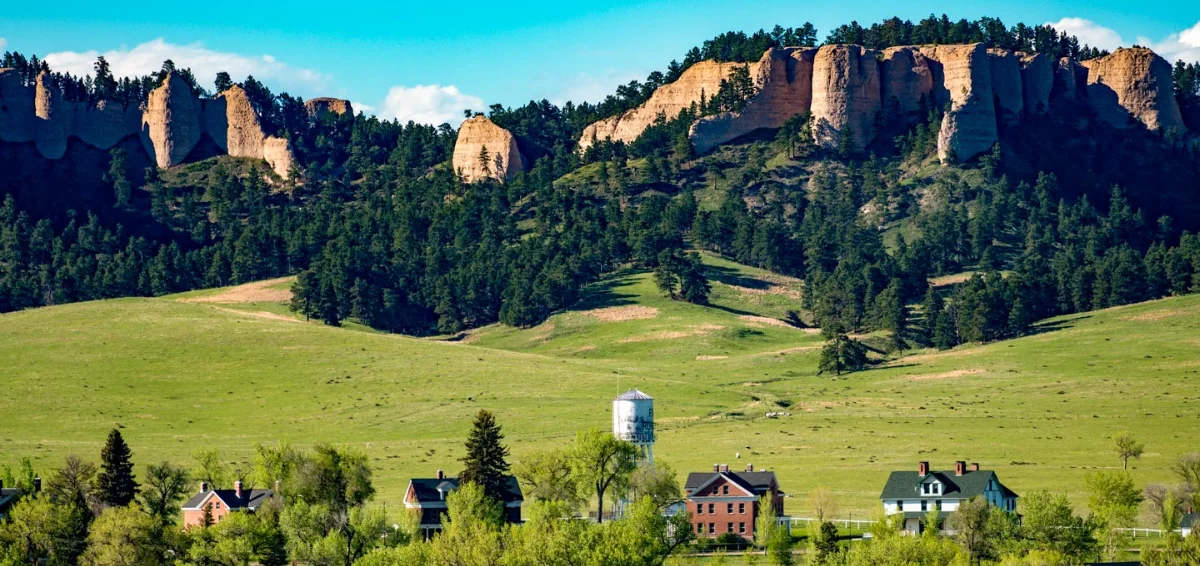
(777,285)
(704,358)
(759,321)
(796,350)
(260,314)
(952,279)
(945,374)
(542,333)
(698,330)
(256,292)
(621,314)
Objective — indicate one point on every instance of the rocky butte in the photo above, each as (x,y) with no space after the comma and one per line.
(170,123)
(849,89)
(478,137)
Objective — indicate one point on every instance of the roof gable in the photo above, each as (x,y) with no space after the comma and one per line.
(425,490)
(904,485)
(251,498)
(751,483)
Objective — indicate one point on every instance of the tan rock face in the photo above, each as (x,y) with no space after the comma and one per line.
(278,154)
(474,137)
(243,133)
(16,108)
(963,77)
(53,117)
(1066,82)
(1007,87)
(907,84)
(1133,84)
(171,124)
(702,79)
(1037,80)
(318,107)
(784,89)
(846,96)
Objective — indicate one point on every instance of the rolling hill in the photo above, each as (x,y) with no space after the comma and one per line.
(231,368)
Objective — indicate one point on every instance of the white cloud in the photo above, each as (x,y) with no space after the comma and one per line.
(204,62)
(1089,32)
(1184,45)
(363,108)
(428,104)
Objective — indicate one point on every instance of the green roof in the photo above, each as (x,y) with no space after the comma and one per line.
(907,485)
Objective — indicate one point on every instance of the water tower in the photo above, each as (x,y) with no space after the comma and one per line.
(633,420)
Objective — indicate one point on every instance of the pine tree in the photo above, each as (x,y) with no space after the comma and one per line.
(206,520)
(486,463)
(115,483)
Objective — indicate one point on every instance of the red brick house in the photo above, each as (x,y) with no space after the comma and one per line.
(222,502)
(722,501)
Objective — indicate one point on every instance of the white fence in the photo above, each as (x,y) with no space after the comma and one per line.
(802,522)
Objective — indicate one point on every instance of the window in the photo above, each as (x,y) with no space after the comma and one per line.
(742,528)
(900,505)
(699,508)
(712,528)
(937,505)
(699,528)
(729,528)
(924,505)
(724,490)
(729,509)
(741,508)
(712,508)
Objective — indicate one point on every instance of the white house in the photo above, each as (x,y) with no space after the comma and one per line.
(916,493)
(1188,523)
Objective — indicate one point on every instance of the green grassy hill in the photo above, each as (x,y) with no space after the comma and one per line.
(231,368)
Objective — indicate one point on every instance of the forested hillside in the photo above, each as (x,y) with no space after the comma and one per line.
(1064,215)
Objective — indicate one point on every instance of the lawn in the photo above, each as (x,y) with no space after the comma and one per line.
(229,369)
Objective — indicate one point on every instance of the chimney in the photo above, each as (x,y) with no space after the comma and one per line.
(203,487)
(441,475)
(724,468)
(37,485)
(975,467)
(277,490)
(960,468)
(237,489)
(749,467)
(716,467)
(923,468)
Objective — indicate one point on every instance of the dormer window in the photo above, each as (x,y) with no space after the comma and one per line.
(931,488)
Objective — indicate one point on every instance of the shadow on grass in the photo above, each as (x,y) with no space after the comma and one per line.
(606,293)
(730,276)
(1062,324)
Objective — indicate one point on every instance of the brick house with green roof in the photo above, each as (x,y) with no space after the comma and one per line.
(915,493)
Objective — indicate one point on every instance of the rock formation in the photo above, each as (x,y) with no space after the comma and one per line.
(963,76)
(1037,80)
(477,135)
(171,124)
(1066,83)
(907,89)
(701,80)
(1133,84)
(318,107)
(1007,87)
(783,85)
(53,117)
(846,96)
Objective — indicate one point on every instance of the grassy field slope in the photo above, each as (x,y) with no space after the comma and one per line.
(231,368)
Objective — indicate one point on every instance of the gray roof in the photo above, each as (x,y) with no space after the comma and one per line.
(633,395)
(251,498)
(757,482)
(1190,520)
(426,489)
(907,485)
(8,497)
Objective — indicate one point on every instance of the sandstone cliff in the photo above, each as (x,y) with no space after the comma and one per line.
(700,80)
(53,118)
(846,96)
(171,124)
(907,89)
(963,78)
(1133,84)
(1007,87)
(318,107)
(1037,80)
(783,86)
(477,135)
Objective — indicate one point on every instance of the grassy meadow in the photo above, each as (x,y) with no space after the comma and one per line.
(231,368)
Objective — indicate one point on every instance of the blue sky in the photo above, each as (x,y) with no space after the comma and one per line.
(429,60)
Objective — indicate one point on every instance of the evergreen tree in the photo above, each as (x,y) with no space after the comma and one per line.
(485,463)
(115,485)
